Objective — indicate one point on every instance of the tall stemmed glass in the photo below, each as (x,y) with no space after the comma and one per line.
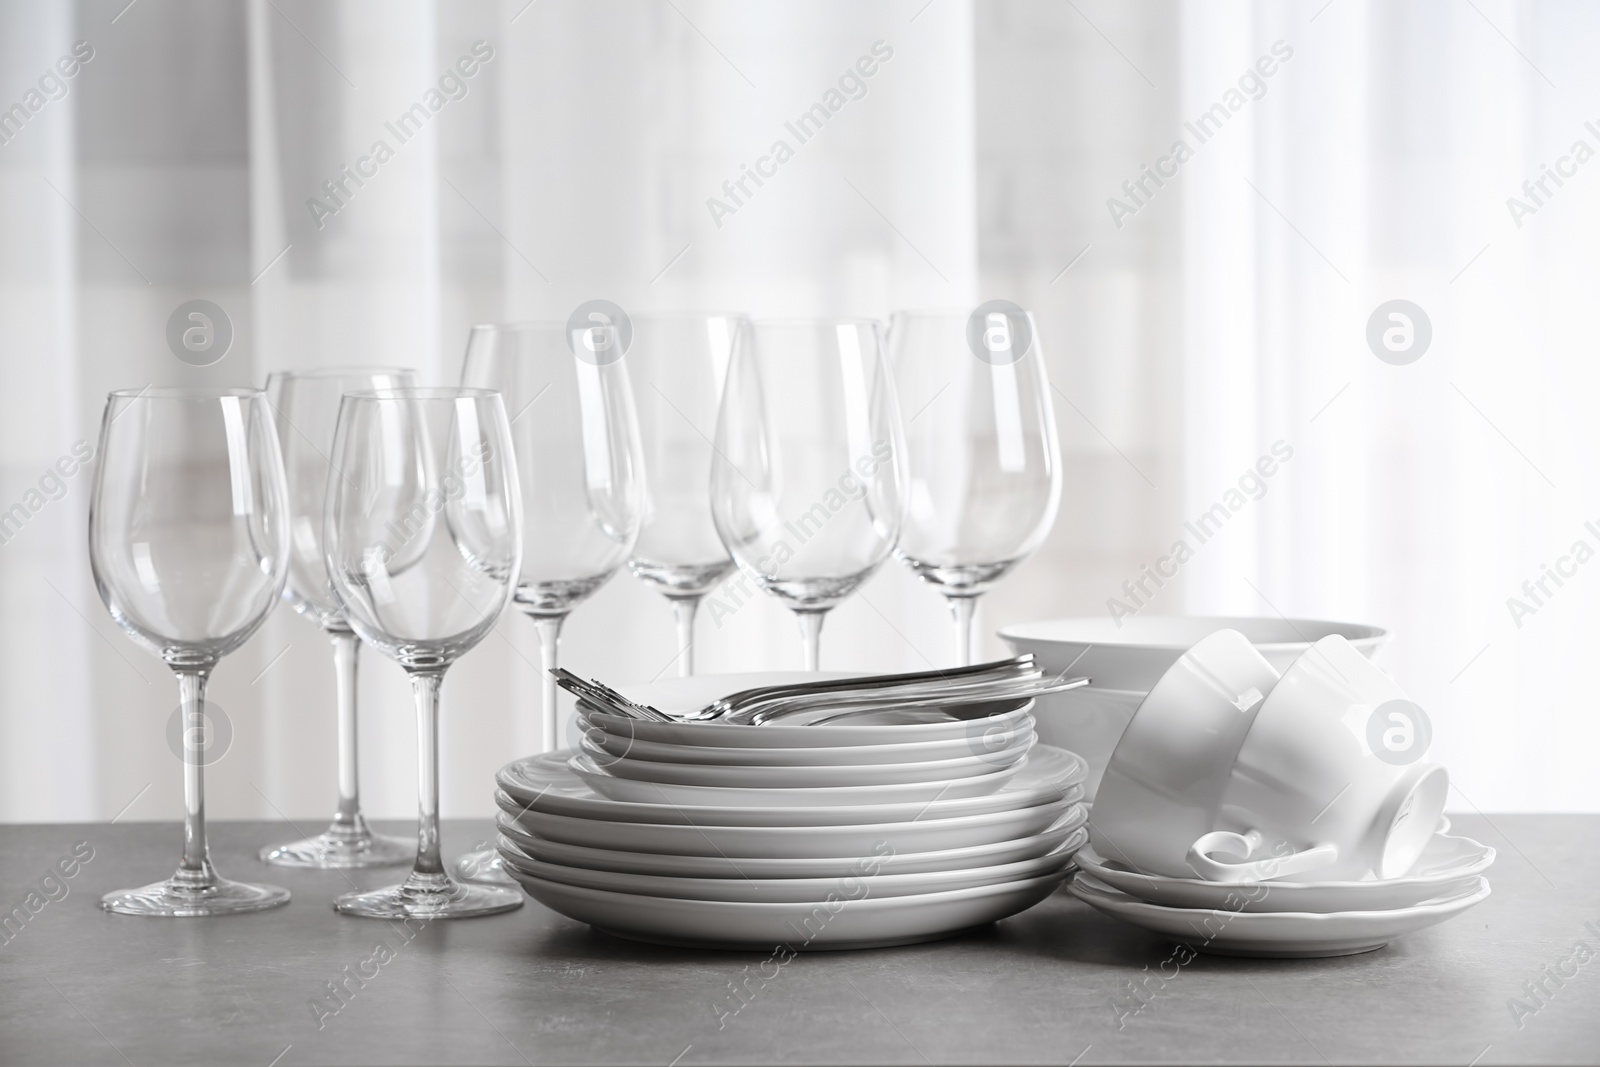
(807,481)
(423,541)
(577,446)
(985,467)
(305,405)
(189,544)
(678,364)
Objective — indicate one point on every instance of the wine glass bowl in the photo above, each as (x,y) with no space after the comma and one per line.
(423,542)
(984,469)
(808,477)
(188,545)
(305,405)
(677,365)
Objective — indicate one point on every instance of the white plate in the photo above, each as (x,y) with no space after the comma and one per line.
(546,783)
(1447,866)
(996,737)
(717,796)
(953,859)
(865,879)
(868,922)
(857,839)
(1286,934)
(756,777)
(1133,653)
(696,691)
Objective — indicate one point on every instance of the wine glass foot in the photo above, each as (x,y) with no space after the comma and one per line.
(483,867)
(334,850)
(177,900)
(439,897)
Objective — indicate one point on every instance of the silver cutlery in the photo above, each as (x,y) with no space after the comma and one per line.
(978,691)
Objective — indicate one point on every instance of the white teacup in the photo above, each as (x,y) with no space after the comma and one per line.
(1162,788)
(1307,797)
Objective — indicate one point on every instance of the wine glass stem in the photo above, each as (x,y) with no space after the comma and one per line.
(549,627)
(192,696)
(811,636)
(425,686)
(962,609)
(683,612)
(346,646)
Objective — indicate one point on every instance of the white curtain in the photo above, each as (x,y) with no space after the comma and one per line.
(207,150)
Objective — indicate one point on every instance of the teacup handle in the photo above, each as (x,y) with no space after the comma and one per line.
(1249,870)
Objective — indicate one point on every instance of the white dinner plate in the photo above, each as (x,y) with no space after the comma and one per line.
(909,834)
(995,737)
(690,694)
(546,783)
(1286,934)
(967,765)
(953,859)
(1447,866)
(868,922)
(720,796)
(864,879)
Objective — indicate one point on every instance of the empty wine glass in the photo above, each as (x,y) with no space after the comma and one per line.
(677,364)
(807,480)
(423,543)
(189,544)
(577,446)
(305,405)
(985,468)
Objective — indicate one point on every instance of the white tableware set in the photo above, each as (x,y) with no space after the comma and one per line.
(873,831)
(1249,813)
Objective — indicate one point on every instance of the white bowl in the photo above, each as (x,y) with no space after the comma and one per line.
(1133,653)
(1124,661)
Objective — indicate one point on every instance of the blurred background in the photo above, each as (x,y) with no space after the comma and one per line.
(1340,155)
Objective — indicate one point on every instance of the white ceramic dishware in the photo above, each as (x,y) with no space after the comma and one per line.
(853,884)
(869,922)
(1308,797)
(1126,656)
(760,777)
(1133,653)
(547,783)
(602,781)
(1163,785)
(1069,827)
(996,737)
(1283,934)
(1447,865)
(903,833)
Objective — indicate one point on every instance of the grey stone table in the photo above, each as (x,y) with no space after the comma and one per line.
(1052,985)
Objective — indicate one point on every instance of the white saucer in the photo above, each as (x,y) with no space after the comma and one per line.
(545,783)
(748,776)
(717,796)
(903,834)
(1447,866)
(864,878)
(867,922)
(1285,934)
(996,736)
(716,866)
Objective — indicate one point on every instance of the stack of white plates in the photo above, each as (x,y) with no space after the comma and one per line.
(847,835)
(1291,919)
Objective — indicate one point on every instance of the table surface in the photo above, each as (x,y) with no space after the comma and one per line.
(81,986)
